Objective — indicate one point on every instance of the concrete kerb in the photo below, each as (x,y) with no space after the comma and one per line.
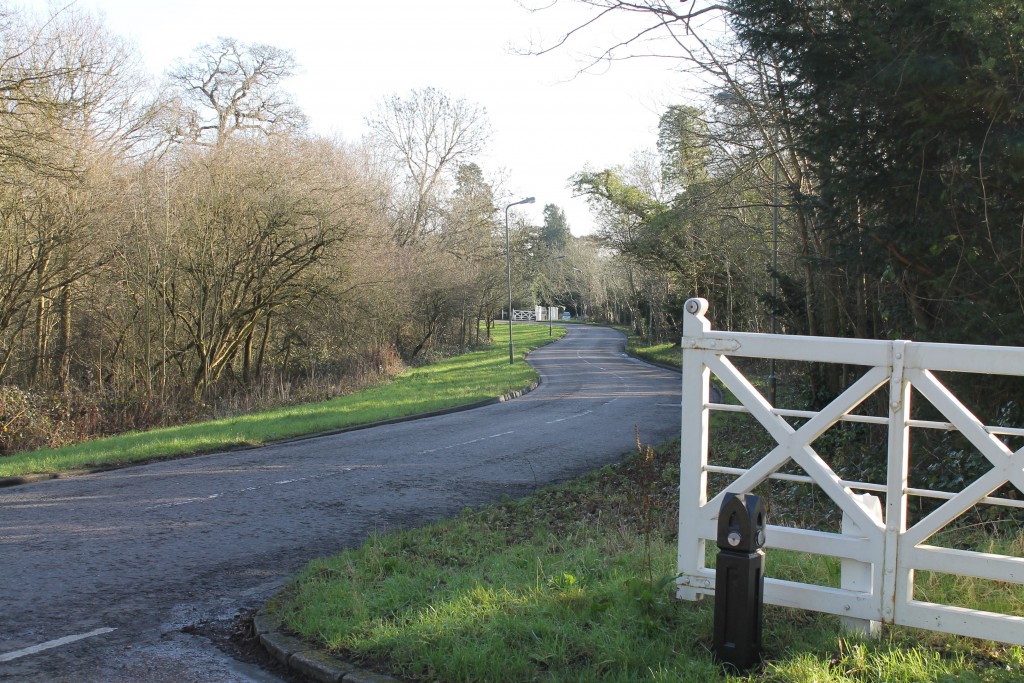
(299,656)
(27,479)
(290,651)
(46,476)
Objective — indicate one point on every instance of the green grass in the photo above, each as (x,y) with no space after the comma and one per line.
(575,584)
(456,381)
(667,353)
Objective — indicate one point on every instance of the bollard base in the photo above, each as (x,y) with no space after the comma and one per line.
(739,590)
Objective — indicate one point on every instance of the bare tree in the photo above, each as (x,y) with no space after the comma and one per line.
(235,88)
(251,223)
(74,101)
(429,134)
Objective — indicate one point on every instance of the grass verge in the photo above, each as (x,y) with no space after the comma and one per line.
(575,584)
(667,353)
(455,381)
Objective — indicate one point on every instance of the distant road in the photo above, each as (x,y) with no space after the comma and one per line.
(100,574)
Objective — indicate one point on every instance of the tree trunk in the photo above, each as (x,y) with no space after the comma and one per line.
(247,358)
(263,345)
(63,367)
(39,364)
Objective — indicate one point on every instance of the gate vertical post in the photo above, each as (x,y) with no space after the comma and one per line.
(861,576)
(693,450)
(894,587)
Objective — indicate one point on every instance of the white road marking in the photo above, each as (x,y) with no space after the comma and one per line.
(189,501)
(10,656)
(464,443)
(174,504)
(571,417)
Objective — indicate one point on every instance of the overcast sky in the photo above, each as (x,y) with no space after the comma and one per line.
(548,121)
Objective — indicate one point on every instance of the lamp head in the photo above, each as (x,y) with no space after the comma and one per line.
(528,200)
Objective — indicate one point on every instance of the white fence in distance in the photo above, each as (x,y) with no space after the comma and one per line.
(537,313)
(878,549)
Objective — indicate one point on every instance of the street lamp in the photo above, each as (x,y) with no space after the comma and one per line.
(508,267)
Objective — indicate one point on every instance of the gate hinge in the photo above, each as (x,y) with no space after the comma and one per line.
(703,344)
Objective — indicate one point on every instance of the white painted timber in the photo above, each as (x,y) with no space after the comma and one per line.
(879,554)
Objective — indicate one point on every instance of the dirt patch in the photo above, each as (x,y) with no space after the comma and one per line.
(236,638)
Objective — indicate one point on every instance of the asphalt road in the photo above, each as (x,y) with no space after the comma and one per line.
(104,578)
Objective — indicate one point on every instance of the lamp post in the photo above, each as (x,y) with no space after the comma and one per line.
(508,267)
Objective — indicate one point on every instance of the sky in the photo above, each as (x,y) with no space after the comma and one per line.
(548,120)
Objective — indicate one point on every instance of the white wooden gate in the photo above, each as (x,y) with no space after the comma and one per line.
(879,553)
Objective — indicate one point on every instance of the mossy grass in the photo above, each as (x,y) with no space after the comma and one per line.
(666,353)
(464,379)
(575,584)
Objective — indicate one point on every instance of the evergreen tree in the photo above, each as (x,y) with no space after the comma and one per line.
(555,232)
(912,117)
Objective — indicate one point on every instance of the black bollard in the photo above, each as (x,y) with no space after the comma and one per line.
(739,580)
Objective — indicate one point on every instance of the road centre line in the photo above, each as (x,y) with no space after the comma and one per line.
(11,656)
(571,417)
(189,501)
(464,443)
(579,356)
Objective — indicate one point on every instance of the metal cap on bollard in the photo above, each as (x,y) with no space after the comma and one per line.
(741,523)
(739,580)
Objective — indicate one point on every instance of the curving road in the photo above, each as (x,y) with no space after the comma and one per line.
(106,577)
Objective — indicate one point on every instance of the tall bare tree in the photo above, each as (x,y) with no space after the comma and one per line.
(252,221)
(74,100)
(232,88)
(429,134)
